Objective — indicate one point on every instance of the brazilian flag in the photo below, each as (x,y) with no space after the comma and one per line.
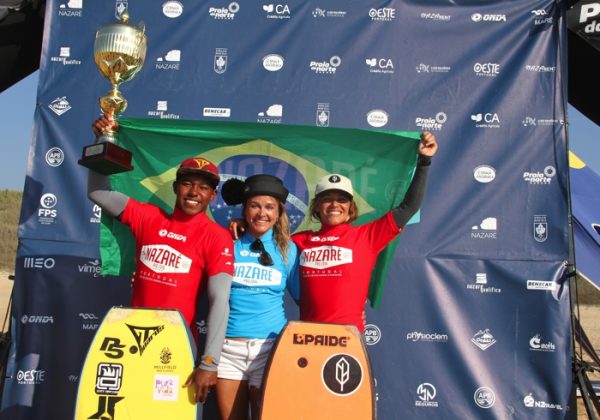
(379,163)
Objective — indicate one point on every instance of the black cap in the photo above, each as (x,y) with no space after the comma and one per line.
(235,191)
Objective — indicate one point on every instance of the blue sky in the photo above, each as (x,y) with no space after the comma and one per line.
(18,104)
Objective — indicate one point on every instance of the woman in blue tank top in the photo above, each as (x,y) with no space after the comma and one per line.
(266,263)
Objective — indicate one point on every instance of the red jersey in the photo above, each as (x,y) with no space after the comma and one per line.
(335,269)
(175,254)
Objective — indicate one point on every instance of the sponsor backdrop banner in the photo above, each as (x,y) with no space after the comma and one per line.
(474,321)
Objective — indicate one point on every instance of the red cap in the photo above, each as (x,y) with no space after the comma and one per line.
(199,165)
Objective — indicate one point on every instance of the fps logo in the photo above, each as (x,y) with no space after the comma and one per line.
(47,213)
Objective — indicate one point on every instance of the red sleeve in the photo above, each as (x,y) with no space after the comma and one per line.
(219,252)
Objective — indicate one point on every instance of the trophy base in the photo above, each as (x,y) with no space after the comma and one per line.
(106,158)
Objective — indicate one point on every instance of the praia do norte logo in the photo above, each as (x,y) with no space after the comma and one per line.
(540,178)
(326,67)
(587,12)
(47,213)
(273,115)
(342,374)
(322,118)
(277,11)
(483,339)
(162,108)
(426,393)
(60,105)
(224,13)
(71,8)
(377,118)
(380,65)
(540,228)
(536,344)
(531,402)
(432,123)
(484,397)
(172,9)
(486,69)
(383,14)
(484,174)
(372,334)
(487,229)
(64,57)
(429,68)
(170,61)
(481,284)
(55,157)
(220,61)
(324,13)
(273,62)
(488,17)
(486,120)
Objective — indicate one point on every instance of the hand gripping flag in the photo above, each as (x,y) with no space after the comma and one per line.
(379,163)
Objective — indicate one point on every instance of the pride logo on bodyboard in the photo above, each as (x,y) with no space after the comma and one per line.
(318,371)
(136,366)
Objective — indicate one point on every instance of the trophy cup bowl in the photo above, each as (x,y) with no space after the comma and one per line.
(119,53)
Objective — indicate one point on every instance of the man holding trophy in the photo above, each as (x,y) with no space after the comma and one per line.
(207,251)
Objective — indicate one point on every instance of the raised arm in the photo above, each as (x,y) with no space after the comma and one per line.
(99,190)
(416,191)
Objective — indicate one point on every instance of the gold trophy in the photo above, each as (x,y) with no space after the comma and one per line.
(119,53)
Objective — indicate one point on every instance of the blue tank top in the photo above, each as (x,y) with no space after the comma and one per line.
(256,300)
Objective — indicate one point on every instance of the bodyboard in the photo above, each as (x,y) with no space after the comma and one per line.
(318,371)
(136,366)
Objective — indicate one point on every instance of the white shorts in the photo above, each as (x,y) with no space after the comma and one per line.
(245,360)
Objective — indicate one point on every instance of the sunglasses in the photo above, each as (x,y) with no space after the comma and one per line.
(264,258)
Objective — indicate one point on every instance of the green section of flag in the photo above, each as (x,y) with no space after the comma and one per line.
(379,163)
